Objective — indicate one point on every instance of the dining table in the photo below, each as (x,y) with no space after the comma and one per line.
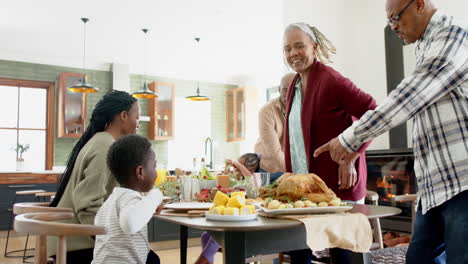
(264,235)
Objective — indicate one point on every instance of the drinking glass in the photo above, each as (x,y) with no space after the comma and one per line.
(162,172)
(185,188)
(261,179)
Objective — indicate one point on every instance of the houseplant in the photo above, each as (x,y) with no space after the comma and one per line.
(20,150)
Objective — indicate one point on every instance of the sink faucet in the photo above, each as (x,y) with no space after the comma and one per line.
(210,165)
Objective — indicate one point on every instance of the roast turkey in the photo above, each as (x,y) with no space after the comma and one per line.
(299,186)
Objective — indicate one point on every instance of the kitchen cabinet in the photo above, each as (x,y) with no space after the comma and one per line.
(71,107)
(235,114)
(7,194)
(161,111)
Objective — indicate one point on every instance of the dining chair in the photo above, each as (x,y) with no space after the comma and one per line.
(45,196)
(35,207)
(373,198)
(397,254)
(42,225)
(19,193)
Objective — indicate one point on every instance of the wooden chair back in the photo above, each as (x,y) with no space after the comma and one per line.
(23,208)
(41,225)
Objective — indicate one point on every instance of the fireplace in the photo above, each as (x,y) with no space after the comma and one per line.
(389,173)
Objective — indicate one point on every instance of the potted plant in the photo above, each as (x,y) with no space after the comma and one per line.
(20,150)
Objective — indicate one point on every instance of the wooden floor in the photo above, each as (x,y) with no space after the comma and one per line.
(168,251)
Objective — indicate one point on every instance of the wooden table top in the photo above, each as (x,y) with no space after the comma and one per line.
(266,223)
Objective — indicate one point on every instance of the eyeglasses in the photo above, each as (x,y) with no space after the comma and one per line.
(396,19)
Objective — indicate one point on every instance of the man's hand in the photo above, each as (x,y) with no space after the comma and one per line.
(337,151)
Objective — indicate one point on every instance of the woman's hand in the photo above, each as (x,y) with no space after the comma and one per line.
(347,175)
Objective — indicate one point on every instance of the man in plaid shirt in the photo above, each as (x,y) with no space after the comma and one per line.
(436,96)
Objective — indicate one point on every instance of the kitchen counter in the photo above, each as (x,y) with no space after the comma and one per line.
(32,176)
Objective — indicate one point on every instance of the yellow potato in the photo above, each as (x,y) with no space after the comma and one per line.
(220,198)
(236,201)
(231,211)
(299,204)
(241,194)
(273,204)
(247,209)
(322,204)
(335,202)
(217,210)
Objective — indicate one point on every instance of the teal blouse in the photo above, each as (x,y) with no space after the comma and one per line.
(296,138)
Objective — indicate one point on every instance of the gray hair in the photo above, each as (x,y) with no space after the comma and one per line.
(324,46)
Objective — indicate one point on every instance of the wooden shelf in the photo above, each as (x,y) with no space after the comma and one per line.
(161,111)
(235,115)
(72,107)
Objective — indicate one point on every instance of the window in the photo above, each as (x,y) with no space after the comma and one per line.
(27,120)
(272,93)
(191,127)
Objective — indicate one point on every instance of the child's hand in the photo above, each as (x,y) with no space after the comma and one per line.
(159,209)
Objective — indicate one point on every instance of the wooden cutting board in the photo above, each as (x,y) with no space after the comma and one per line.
(193,213)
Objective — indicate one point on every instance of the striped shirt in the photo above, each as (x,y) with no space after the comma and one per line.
(125,214)
(436,96)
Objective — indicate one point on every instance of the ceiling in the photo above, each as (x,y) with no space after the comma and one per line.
(240,41)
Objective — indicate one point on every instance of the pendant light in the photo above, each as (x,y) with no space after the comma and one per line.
(146,93)
(83,86)
(197,96)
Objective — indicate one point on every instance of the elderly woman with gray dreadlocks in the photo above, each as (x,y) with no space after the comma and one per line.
(321,104)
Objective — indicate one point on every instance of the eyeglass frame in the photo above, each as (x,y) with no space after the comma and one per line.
(396,19)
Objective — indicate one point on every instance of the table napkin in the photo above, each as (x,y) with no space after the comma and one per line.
(350,231)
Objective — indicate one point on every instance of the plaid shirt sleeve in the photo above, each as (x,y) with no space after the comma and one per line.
(441,69)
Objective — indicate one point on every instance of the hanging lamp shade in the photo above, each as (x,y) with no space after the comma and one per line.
(83,86)
(197,96)
(146,93)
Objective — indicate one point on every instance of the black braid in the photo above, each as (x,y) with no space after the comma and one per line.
(111,104)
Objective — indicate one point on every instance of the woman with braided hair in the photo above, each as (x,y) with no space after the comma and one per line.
(321,104)
(87,181)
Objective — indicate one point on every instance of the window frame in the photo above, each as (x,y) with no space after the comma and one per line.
(50,87)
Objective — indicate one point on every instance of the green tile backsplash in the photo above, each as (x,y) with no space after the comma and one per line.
(103,80)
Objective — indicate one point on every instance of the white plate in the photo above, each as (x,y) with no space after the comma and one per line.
(165,198)
(185,206)
(308,210)
(231,218)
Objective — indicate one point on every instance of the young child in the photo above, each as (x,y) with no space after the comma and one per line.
(130,207)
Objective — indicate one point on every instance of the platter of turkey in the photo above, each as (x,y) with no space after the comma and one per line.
(300,194)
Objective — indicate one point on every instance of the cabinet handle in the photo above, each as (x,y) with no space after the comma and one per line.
(21,178)
(21,186)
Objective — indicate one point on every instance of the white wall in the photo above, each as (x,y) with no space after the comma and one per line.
(239,39)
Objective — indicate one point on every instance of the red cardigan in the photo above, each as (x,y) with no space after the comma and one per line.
(329,105)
